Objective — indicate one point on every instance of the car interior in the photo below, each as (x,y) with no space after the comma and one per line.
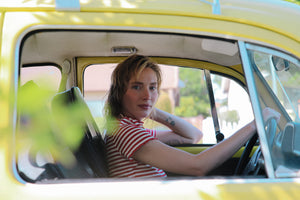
(73,51)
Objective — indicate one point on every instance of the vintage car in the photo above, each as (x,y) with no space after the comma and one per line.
(223,62)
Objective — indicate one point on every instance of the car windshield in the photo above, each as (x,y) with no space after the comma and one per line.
(278,75)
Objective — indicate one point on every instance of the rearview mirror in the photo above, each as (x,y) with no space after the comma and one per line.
(280,63)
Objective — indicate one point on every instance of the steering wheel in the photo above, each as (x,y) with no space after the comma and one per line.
(245,167)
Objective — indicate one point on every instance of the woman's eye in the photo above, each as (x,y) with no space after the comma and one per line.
(152,88)
(136,87)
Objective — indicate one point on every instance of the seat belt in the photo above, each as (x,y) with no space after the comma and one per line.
(219,135)
(64,77)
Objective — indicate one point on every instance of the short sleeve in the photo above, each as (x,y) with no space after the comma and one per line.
(152,132)
(130,138)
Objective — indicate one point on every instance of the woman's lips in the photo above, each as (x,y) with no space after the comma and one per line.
(145,106)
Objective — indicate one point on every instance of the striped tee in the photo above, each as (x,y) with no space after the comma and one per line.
(121,145)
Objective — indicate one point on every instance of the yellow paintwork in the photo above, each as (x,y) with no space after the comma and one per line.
(239,19)
(197,149)
(235,16)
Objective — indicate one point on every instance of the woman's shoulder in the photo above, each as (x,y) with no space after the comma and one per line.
(131,122)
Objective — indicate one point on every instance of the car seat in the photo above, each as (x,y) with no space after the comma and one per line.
(90,155)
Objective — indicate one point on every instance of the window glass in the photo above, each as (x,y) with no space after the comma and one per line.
(232,103)
(183,93)
(96,82)
(45,76)
(278,78)
(283,77)
(193,102)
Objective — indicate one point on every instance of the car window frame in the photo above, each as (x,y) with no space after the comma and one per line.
(84,62)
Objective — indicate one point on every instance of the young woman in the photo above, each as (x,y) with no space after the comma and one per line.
(134,151)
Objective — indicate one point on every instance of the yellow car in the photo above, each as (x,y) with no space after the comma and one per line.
(222,61)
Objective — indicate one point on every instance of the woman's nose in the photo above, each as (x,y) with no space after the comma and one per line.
(146,93)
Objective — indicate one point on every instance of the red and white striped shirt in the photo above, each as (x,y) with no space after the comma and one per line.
(121,145)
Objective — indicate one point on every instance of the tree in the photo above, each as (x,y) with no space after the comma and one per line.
(194,99)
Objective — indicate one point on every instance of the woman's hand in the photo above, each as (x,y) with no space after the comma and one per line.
(270,113)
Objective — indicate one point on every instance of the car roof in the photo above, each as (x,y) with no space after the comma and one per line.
(266,13)
(271,16)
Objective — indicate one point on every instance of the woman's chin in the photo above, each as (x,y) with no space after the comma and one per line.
(143,116)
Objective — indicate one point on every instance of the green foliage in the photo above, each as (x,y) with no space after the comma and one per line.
(294,1)
(230,116)
(163,103)
(190,106)
(194,98)
(43,130)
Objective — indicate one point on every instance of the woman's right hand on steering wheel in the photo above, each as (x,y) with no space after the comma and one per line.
(270,113)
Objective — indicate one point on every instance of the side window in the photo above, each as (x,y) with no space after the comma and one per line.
(96,82)
(277,79)
(183,93)
(232,103)
(193,102)
(282,76)
(49,76)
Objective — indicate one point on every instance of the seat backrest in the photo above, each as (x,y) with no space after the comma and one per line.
(91,154)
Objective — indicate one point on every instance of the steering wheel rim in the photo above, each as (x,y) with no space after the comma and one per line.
(245,166)
(245,155)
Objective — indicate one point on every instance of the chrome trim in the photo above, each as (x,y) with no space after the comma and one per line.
(256,109)
(124,50)
(67,5)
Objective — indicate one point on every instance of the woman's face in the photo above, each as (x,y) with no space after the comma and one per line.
(141,95)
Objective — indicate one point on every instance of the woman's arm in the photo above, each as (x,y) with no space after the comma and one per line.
(181,131)
(170,159)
